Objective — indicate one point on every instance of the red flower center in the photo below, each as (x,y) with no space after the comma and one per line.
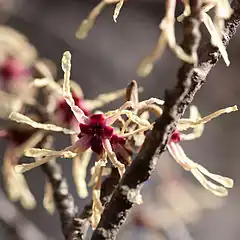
(175,137)
(66,112)
(18,137)
(97,130)
(115,139)
(12,68)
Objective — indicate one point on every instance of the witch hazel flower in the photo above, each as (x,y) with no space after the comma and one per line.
(199,172)
(95,131)
(15,183)
(17,57)
(62,114)
(14,76)
(222,12)
(13,73)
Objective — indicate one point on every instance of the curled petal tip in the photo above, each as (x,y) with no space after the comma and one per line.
(228,182)
(19,169)
(144,69)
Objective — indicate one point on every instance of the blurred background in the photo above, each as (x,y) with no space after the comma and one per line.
(175,206)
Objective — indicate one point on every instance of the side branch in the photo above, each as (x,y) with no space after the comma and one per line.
(121,202)
(63,199)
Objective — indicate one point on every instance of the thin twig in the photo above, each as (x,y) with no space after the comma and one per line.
(81,224)
(63,199)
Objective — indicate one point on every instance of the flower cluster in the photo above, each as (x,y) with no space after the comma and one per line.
(93,131)
(17,61)
(99,133)
(197,123)
(62,114)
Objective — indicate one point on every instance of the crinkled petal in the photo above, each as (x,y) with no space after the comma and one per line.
(48,199)
(66,67)
(216,39)
(80,164)
(112,156)
(215,189)
(117,10)
(20,118)
(225,181)
(40,152)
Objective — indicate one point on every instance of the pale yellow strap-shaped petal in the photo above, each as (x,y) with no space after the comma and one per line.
(149,101)
(48,199)
(30,143)
(211,4)
(9,103)
(168,27)
(137,131)
(117,10)
(191,124)
(117,113)
(8,175)
(105,98)
(88,23)
(215,189)
(131,115)
(53,86)
(80,164)
(97,207)
(39,152)
(20,118)
(42,67)
(216,38)
(75,87)
(198,130)
(113,158)
(29,166)
(26,199)
(179,155)
(45,155)
(95,171)
(15,183)
(187,11)
(225,181)
(146,65)
(224,9)
(66,67)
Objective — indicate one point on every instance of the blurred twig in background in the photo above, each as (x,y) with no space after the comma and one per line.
(17,224)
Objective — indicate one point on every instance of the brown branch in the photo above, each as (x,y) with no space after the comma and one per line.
(63,199)
(190,80)
(81,224)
